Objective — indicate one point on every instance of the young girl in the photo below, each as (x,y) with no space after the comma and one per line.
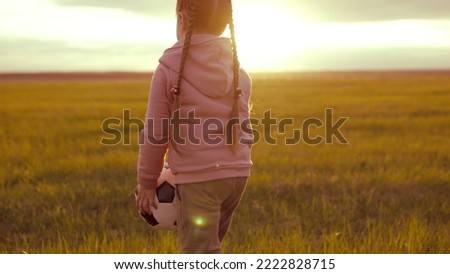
(200,88)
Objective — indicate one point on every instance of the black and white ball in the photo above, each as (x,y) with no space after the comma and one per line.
(165,217)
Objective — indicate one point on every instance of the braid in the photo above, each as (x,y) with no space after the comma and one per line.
(192,15)
(237,91)
(236,63)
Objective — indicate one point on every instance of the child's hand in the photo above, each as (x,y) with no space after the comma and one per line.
(145,200)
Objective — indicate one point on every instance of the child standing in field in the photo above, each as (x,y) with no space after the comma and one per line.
(200,88)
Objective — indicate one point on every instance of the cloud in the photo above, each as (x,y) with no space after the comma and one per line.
(31,55)
(22,55)
(154,8)
(369,10)
(323,10)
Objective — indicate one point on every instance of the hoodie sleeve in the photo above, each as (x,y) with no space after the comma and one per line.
(155,136)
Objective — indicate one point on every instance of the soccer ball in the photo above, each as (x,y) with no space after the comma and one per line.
(165,217)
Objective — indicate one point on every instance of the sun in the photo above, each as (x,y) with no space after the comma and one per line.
(267,34)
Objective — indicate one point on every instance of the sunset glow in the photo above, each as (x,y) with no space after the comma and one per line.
(274,35)
(60,35)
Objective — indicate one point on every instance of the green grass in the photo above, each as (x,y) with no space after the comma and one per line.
(61,191)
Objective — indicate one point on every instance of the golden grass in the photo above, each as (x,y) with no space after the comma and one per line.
(385,192)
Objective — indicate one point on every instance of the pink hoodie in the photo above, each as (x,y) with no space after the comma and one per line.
(207,89)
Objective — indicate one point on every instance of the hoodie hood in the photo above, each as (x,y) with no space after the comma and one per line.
(209,64)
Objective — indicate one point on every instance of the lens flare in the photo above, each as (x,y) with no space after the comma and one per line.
(199,221)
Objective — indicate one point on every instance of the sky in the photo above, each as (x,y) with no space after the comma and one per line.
(272,35)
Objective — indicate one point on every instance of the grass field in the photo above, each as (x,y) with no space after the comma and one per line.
(385,192)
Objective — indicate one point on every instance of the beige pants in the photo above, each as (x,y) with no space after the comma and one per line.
(205,211)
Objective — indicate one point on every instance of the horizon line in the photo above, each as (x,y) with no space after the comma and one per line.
(127,76)
(248,71)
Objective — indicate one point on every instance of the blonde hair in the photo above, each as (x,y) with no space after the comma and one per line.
(210,16)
